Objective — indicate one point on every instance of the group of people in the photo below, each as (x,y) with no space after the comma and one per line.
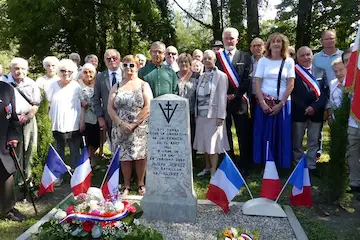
(270,100)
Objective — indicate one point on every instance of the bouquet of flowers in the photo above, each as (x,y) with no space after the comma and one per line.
(93,217)
(234,234)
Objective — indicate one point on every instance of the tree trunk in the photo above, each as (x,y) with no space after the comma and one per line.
(236,14)
(216,19)
(303,29)
(252,20)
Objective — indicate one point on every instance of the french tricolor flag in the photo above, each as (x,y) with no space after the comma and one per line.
(81,178)
(271,185)
(225,184)
(111,184)
(54,168)
(300,179)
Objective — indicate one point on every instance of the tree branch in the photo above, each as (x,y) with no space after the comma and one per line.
(190,15)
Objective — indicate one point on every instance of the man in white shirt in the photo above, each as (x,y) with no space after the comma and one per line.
(27,98)
(103,83)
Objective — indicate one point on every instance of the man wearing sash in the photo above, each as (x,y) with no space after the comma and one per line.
(238,66)
(309,98)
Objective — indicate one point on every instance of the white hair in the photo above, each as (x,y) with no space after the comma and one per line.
(68,64)
(89,57)
(336,62)
(141,56)
(170,48)
(74,56)
(49,60)
(88,66)
(231,30)
(19,61)
(210,53)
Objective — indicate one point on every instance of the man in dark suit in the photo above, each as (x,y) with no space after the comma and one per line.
(307,107)
(9,135)
(237,105)
(103,83)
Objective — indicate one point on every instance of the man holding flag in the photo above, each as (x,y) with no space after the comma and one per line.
(352,85)
(309,98)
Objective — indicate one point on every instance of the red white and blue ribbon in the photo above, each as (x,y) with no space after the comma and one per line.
(308,78)
(95,218)
(246,236)
(230,71)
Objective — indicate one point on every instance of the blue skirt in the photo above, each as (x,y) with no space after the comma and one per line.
(277,130)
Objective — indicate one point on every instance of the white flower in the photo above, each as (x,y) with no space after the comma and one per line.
(95,193)
(234,232)
(136,222)
(93,204)
(60,214)
(119,206)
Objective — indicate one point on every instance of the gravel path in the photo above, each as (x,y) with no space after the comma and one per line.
(210,219)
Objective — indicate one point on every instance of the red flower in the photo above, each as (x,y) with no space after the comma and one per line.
(70,209)
(131,208)
(69,220)
(88,226)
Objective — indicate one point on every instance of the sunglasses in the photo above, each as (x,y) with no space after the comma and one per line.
(130,65)
(112,58)
(171,53)
(64,71)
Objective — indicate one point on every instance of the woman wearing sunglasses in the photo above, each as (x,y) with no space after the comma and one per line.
(129,109)
(64,96)
(88,123)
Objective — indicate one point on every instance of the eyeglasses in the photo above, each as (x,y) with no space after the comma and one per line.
(64,71)
(130,65)
(112,58)
(171,53)
(87,72)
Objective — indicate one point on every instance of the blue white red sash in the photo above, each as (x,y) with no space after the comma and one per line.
(230,71)
(95,218)
(309,79)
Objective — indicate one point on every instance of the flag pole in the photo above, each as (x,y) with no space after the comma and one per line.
(107,170)
(241,177)
(61,160)
(287,181)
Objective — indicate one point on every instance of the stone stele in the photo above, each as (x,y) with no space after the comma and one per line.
(170,194)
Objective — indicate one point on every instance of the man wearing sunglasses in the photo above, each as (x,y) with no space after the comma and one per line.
(103,83)
(171,55)
(162,79)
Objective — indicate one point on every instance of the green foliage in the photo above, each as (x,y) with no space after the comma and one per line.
(336,177)
(191,35)
(286,27)
(45,138)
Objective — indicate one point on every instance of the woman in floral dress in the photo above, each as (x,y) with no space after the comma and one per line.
(129,109)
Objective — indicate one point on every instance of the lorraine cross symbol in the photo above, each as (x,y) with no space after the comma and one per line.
(168,111)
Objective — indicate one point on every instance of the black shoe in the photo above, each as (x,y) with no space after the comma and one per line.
(15,215)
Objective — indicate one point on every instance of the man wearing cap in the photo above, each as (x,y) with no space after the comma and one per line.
(239,76)
(217,46)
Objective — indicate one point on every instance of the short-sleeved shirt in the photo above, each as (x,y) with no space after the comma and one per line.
(162,80)
(254,63)
(268,70)
(30,89)
(65,106)
(321,61)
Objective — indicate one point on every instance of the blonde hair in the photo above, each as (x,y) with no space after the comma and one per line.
(285,45)
(131,58)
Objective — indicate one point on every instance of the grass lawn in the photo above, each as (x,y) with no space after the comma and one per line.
(320,222)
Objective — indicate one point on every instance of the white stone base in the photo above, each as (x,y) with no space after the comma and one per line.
(263,207)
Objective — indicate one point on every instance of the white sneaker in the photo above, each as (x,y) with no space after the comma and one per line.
(58,182)
(203,172)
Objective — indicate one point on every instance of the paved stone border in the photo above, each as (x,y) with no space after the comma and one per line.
(34,228)
(294,222)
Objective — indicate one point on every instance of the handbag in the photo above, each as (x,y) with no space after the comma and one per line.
(270,100)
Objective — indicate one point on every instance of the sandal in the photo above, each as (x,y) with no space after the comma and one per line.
(126,191)
(142,190)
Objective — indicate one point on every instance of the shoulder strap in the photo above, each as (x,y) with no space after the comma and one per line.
(21,93)
(279,77)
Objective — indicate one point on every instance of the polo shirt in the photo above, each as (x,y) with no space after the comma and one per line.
(162,80)
(323,62)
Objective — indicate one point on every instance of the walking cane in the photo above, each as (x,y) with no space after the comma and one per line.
(17,165)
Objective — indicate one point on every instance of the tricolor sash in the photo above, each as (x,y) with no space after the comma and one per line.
(230,71)
(309,79)
(95,218)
